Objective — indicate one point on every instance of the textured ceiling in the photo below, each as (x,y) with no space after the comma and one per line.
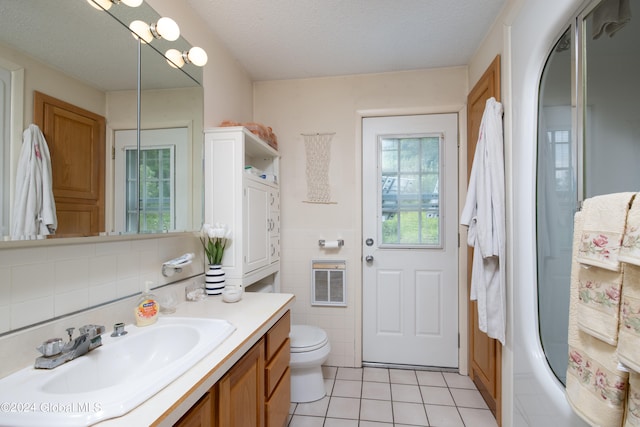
(286,39)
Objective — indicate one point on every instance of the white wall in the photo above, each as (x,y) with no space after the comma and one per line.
(42,78)
(292,107)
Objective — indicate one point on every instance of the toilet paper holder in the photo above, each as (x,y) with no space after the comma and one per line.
(331,243)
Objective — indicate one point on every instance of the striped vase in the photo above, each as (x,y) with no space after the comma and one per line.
(214,280)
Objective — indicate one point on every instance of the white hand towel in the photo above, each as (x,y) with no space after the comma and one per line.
(604,224)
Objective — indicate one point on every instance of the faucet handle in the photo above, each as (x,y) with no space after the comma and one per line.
(118,330)
(51,347)
(92,330)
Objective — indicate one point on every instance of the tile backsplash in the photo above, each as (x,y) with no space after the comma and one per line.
(42,282)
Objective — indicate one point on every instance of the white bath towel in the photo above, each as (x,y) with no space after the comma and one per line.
(34,208)
(629,333)
(630,248)
(596,388)
(599,303)
(484,214)
(604,224)
(610,16)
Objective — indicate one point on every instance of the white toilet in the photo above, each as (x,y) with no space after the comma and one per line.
(309,350)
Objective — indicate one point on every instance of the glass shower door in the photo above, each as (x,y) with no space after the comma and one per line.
(556,202)
(588,145)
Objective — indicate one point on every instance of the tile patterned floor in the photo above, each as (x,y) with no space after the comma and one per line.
(380,397)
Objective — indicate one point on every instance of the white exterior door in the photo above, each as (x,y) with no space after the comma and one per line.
(410,247)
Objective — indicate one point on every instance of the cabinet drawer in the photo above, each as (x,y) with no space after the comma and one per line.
(276,367)
(277,408)
(277,335)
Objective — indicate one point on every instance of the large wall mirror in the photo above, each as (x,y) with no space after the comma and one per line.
(65,58)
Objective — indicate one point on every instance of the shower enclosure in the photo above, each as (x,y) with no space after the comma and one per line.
(588,144)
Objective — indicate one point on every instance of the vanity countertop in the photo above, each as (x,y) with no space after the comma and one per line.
(252,316)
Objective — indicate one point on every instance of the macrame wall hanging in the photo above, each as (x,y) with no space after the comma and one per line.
(318,150)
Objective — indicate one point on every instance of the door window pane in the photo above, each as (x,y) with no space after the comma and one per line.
(410,189)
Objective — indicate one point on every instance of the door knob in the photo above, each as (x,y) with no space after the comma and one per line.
(369,258)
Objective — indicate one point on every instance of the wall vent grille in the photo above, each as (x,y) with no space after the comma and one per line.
(328,283)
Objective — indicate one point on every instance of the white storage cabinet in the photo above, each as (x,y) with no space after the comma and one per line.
(247,203)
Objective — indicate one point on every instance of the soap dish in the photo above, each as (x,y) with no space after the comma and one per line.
(231,295)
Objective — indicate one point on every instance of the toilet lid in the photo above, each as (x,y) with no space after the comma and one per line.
(306,338)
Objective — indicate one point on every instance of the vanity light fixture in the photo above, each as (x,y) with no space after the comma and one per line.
(106,4)
(196,56)
(165,28)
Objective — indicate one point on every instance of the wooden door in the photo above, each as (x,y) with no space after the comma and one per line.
(76,139)
(485,354)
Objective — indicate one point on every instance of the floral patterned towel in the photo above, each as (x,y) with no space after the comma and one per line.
(630,249)
(599,303)
(632,417)
(596,388)
(629,333)
(604,225)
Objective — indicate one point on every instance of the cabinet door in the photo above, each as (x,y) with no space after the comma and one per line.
(257,242)
(200,415)
(241,391)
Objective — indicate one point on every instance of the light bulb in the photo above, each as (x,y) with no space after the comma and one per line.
(197,56)
(141,29)
(167,29)
(100,4)
(174,58)
(132,3)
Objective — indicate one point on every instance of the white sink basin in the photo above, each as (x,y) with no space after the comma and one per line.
(112,379)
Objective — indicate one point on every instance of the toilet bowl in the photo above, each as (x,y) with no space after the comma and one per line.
(309,350)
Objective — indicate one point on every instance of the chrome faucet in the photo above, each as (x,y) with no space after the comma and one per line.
(55,353)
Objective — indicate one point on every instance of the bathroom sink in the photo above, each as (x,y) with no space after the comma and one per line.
(112,379)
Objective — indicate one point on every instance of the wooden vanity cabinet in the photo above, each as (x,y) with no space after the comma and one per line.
(277,373)
(255,392)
